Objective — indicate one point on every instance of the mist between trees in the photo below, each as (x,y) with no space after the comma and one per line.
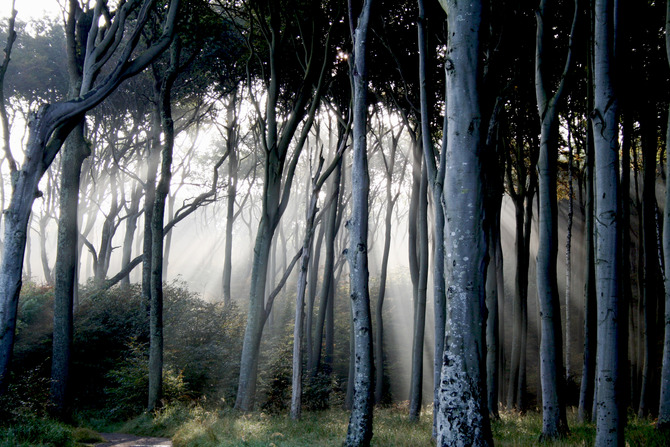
(461,210)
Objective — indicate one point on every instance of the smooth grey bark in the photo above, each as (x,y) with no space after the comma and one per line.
(324,320)
(359,432)
(435,180)
(494,180)
(132,215)
(157,231)
(609,418)
(312,285)
(47,131)
(522,197)
(568,261)
(663,422)
(391,199)
(153,160)
(298,331)
(587,388)
(462,416)
(416,378)
(4,119)
(232,139)
(554,417)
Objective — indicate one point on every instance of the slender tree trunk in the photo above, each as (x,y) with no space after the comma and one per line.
(609,420)
(554,418)
(416,383)
(664,405)
(379,333)
(463,418)
(651,283)
(73,155)
(296,387)
(327,286)
(436,181)
(131,226)
(359,432)
(587,389)
(568,264)
(157,233)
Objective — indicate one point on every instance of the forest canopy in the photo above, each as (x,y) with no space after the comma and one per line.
(457,208)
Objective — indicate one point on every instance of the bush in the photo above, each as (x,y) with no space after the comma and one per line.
(128,392)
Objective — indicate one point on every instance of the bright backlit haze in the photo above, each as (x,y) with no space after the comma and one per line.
(30,9)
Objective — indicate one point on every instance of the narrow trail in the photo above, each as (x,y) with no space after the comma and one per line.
(123,440)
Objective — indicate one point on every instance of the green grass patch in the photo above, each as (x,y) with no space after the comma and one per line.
(36,432)
(192,425)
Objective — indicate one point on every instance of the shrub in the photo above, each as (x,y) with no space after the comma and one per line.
(128,392)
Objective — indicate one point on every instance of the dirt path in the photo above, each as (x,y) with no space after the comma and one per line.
(121,440)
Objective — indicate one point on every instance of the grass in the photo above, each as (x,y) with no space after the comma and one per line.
(191,426)
(195,426)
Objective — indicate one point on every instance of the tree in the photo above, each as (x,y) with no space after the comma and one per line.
(317,183)
(463,418)
(359,432)
(48,129)
(276,141)
(663,422)
(554,418)
(609,420)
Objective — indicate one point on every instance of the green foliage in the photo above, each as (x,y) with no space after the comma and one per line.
(34,431)
(129,384)
(202,348)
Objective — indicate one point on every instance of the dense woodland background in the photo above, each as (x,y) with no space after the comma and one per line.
(236,203)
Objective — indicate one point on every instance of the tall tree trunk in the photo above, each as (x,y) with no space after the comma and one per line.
(72,158)
(157,224)
(463,417)
(153,159)
(436,181)
(328,284)
(651,283)
(554,418)
(388,221)
(587,389)
(416,380)
(296,386)
(664,405)
(276,190)
(609,420)
(359,432)
(317,183)
(568,263)
(73,155)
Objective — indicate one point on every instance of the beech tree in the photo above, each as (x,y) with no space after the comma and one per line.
(554,418)
(359,432)
(280,163)
(609,420)
(48,129)
(462,415)
(664,405)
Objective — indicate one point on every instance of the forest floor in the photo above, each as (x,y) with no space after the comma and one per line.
(195,426)
(125,440)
